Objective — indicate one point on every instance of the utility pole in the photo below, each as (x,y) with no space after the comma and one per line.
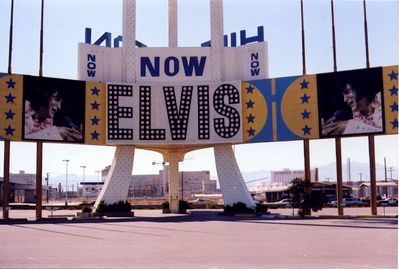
(390,173)
(360,175)
(385,168)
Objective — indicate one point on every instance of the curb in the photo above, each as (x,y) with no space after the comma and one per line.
(358,217)
(285,217)
(12,221)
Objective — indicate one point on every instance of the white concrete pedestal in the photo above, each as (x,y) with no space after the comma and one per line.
(231,181)
(173,158)
(116,186)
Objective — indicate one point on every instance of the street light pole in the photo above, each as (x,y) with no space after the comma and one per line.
(83,179)
(182,184)
(66,181)
(83,167)
(98,176)
(47,179)
(98,181)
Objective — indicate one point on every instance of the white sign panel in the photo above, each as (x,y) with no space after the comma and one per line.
(96,63)
(173,65)
(246,62)
(189,114)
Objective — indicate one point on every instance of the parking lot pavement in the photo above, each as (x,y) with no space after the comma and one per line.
(330,211)
(351,211)
(201,240)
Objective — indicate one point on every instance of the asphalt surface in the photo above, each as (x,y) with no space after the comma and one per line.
(201,239)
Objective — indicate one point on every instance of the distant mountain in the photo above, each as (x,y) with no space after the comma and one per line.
(326,172)
(73,179)
(358,171)
(256,177)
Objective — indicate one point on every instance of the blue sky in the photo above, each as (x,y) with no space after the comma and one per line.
(65,23)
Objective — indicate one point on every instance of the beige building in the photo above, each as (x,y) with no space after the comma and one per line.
(156,185)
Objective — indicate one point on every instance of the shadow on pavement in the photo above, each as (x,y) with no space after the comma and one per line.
(392,224)
(211,215)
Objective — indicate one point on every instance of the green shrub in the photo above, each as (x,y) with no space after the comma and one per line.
(261,209)
(183,205)
(87,209)
(237,208)
(211,205)
(121,206)
(87,203)
(165,205)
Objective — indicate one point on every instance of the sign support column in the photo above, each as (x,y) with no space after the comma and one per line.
(173,158)
(338,151)
(373,181)
(7,143)
(172,13)
(338,158)
(6,178)
(306,143)
(230,178)
(39,144)
(118,180)
(39,187)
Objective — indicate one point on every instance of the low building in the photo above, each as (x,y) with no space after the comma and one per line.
(384,189)
(90,189)
(330,189)
(22,188)
(276,192)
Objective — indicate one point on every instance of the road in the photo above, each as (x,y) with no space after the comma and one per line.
(202,240)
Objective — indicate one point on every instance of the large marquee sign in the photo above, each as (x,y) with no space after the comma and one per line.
(348,103)
(191,114)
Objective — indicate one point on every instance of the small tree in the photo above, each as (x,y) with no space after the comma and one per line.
(303,198)
(296,192)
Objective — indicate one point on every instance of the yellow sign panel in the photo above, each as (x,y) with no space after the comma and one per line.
(390,79)
(254,110)
(11,112)
(95,113)
(299,107)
